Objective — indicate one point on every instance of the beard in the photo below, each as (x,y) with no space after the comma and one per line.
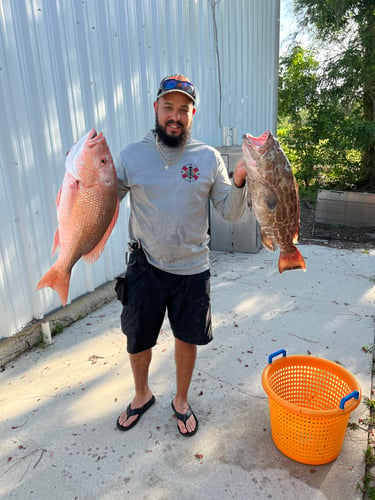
(171,141)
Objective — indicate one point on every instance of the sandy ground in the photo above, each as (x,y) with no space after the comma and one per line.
(59,405)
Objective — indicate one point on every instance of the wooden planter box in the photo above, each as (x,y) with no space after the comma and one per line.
(345,208)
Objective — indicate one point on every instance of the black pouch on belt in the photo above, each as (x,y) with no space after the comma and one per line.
(136,254)
(121,289)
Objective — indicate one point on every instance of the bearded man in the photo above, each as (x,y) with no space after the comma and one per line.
(170,178)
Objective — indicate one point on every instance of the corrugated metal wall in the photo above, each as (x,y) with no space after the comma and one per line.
(69,65)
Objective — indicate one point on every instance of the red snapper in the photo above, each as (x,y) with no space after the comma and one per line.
(87,209)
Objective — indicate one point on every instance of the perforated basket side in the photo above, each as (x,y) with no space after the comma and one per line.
(306,439)
(310,385)
(305,393)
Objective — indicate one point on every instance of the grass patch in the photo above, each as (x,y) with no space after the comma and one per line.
(57,328)
(367,424)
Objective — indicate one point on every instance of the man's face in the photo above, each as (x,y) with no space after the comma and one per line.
(174,117)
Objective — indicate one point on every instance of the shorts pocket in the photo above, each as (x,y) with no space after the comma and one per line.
(121,289)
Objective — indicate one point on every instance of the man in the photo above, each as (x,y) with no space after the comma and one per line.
(170,178)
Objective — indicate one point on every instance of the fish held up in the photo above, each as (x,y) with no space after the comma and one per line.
(87,210)
(273,195)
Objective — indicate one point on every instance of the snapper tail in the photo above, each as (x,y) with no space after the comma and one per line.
(57,279)
(292,260)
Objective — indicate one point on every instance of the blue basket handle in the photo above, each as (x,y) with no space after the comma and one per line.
(271,356)
(354,394)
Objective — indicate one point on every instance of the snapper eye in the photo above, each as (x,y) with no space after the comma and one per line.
(102,161)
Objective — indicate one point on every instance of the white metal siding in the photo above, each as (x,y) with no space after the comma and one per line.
(69,65)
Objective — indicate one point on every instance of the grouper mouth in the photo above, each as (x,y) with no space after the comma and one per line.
(256,141)
(258,145)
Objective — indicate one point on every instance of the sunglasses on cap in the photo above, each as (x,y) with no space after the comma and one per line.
(170,84)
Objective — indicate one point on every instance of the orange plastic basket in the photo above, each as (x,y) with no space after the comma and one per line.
(310,401)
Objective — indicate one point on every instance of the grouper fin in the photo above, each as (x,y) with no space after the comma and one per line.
(267,242)
(292,260)
(296,236)
(248,196)
(57,279)
(96,252)
(270,199)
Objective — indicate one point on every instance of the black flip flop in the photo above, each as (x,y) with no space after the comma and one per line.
(130,412)
(184,417)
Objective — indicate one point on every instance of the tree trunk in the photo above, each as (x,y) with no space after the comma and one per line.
(367,34)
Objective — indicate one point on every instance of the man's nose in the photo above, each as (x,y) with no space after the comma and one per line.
(176,115)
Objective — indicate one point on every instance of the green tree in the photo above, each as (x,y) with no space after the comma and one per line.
(315,126)
(298,85)
(347,29)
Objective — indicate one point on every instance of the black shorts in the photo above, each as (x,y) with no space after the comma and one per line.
(151,292)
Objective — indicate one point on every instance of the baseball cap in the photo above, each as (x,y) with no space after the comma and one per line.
(177,83)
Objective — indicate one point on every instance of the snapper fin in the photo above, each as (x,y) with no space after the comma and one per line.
(56,241)
(56,238)
(96,252)
(71,193)
(58,196)
(293,260)
(58,280)
(72,183)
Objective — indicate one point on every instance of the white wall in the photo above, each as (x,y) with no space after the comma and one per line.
(69,65)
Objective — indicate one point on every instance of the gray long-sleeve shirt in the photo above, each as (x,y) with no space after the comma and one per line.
(169,206)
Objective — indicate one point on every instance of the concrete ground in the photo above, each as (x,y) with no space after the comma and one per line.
(59,404)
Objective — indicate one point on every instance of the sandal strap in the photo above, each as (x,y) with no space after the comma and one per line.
(131,412)
(184,416)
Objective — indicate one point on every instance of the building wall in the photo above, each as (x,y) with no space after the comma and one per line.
(69,65)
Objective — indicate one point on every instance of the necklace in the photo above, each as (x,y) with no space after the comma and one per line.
(169,160)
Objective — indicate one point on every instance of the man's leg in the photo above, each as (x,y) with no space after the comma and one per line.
(139,363)
(185,355)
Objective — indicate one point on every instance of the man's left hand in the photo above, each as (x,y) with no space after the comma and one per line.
(239,174)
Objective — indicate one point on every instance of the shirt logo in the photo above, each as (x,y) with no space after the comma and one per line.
(190,173)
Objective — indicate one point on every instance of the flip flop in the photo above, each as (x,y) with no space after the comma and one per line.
(130,412)
(183,417)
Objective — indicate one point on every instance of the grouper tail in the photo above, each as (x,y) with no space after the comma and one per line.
(291,260)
